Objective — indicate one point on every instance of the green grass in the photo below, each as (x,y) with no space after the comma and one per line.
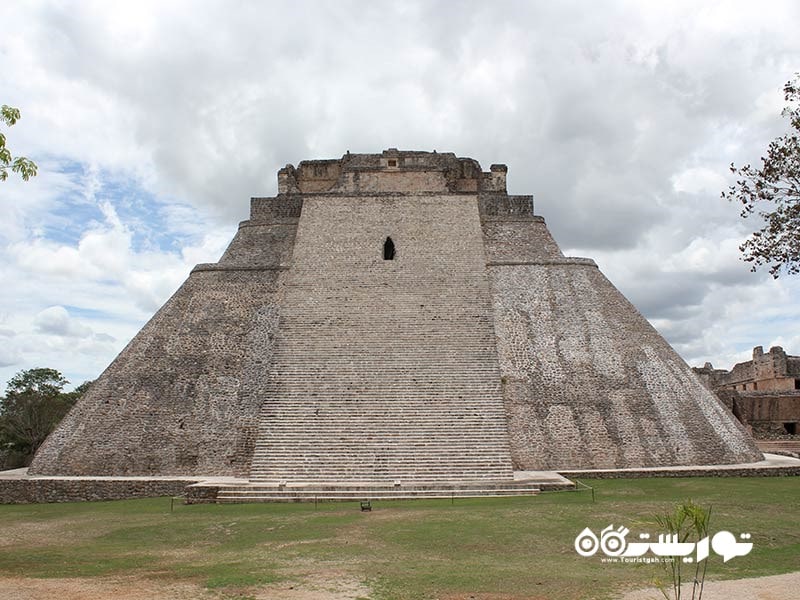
(522,547)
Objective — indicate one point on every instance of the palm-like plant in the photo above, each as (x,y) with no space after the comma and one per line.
(689,521)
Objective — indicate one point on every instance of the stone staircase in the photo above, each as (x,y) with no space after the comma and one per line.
(384,370)
(419,439)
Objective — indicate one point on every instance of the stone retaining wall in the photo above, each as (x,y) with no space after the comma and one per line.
(201,494)
(27,491)
(704,472)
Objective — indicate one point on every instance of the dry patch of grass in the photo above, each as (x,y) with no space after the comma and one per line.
(104,588)
(323,586)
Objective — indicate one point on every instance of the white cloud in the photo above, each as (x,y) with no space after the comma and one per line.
(56,321)
(9,356)
(697,180)
(714,258)
(102,252)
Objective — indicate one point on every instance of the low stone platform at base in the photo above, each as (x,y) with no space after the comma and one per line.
(773,465)
(207,492)
(17,487)
(782,447)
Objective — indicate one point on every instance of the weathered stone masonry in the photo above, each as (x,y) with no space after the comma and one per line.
(477,348)
(763,393)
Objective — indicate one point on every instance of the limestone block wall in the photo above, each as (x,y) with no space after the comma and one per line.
(176,400)
(368,182)
(518,240)
(765,411)
(261,245)
(773,371)
(392,171)
(512,233)
(267,239)
(276,209)
(385,369)
(26,491)
(589,383)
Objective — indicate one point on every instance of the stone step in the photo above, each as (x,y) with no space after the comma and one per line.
(237,499)
(294,473)
(331,492)
(387,485)
(413,462)
(345,429)
(347,454)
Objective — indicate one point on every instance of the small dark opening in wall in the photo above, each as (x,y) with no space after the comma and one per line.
(755,385)
(392,163)
(790,428)
(797,384)
(388,249)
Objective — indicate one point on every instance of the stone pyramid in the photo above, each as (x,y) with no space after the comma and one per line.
(393,316)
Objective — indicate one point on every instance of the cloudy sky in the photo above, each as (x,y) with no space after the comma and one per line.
(154,123)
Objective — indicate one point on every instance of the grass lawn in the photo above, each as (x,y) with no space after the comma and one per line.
(512,547)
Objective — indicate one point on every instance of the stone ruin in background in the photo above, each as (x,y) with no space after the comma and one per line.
(763,393)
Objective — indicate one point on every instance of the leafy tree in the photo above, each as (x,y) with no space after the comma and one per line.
(25,167)
(773,193)
(33,405)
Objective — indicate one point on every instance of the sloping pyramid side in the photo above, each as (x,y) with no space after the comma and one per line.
(172,402)
(587,381)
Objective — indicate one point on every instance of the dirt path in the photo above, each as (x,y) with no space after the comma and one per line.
(133,588)
(774,587)
(97,588)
